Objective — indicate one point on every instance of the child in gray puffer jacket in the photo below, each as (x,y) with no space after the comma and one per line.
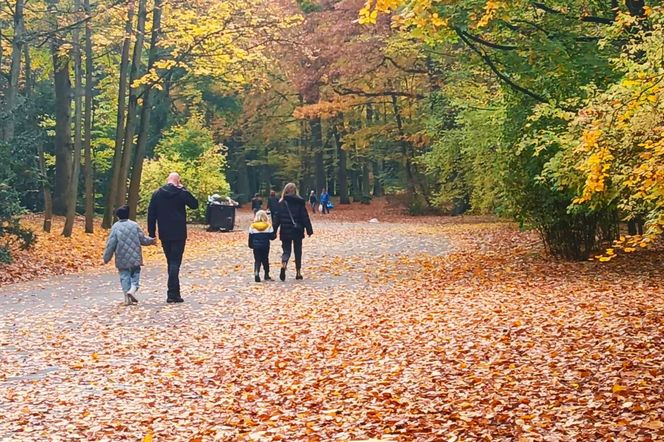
(125,241)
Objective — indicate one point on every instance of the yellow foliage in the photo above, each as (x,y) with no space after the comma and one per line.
(418,13)
(491,10)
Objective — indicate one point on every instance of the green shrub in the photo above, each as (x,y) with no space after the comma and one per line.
(201,169)
(10,208)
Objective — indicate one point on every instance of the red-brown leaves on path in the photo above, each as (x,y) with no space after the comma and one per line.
(411,330)
(54,254)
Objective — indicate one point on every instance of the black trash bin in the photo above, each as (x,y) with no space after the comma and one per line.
(220,217)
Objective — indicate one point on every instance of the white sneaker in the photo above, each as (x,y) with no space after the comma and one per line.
(127,299)
(131,293)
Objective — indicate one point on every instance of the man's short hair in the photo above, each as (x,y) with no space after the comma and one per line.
(122,212)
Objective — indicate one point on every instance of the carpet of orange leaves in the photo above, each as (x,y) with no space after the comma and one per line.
(490,340)
(53,254)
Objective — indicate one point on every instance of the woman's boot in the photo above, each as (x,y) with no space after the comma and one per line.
(282,273)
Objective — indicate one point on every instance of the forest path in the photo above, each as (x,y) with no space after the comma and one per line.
(339,253)
(80,364)
(421,329)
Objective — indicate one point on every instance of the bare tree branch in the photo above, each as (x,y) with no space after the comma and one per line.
(587,18)
(499,74)
(348,91)
(488,43)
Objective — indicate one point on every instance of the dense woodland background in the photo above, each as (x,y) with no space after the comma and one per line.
(551,113)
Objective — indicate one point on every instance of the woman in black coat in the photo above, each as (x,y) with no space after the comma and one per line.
(292,220)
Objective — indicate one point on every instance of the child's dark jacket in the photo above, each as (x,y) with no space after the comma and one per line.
(260,235)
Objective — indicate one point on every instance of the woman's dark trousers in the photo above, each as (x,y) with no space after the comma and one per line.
(287,245)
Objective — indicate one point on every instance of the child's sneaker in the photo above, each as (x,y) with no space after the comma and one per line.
(127,299)
(132,291)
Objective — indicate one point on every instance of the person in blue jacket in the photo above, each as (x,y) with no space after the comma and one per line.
(325,200)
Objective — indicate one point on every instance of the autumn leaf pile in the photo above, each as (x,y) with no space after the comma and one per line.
(418,329)
(54,254)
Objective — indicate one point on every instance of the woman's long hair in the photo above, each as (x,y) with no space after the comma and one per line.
(289,189)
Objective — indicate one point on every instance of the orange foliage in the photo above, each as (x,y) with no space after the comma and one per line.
(417,329)
(54,254)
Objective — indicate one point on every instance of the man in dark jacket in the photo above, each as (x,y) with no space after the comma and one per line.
(167,210)
(292,220)
(272,204)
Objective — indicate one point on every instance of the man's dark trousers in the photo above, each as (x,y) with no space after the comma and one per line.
(173,249)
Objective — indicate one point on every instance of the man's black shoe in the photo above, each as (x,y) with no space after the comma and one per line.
(282,274)
(174,300)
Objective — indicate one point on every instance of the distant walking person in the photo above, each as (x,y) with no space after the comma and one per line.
(260,235)
(313,201)
(292,221)
(125,241)
(325,200)
(272,205)
(168,211)
(256,203)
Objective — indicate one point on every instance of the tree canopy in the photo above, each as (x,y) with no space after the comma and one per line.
(546,112)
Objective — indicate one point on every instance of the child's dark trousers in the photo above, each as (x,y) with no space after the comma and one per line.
(262,257)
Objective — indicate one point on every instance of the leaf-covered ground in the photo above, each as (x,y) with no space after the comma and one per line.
(416,329)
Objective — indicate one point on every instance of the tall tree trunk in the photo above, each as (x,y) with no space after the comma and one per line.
(317,145)
(120,122)
(161,108)
(41,159)
(377,167)
(342,178)
(87,125)
(130,129)
(63,142)
(405,151)
(366,185)
(72,196)
(146,111)
(27,71)
(332,172)
(377,164)
(46,188)
(356,177)
(14,72)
